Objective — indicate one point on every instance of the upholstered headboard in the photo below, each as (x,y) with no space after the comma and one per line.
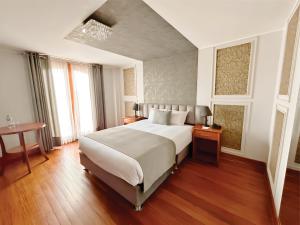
(193,116)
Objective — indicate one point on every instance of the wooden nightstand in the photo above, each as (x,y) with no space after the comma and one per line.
(132,119)
(206,144)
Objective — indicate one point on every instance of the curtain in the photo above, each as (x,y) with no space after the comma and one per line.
(113,83)
(98,88)
(61,103)
(37,66)
(84,104)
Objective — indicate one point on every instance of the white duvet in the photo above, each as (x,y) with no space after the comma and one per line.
(124,166)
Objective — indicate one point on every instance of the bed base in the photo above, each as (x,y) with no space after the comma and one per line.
(134,194)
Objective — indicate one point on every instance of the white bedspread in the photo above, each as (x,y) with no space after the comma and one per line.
(122,165)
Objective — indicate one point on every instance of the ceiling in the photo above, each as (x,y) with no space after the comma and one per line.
(41,25)
(138,31)
(211,22)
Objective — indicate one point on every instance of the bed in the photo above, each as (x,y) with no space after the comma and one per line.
(127,176)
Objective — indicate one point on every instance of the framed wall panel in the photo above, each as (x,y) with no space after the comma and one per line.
(289,55)
(129,82)
(233,70)
(128,108)
(233,117)
(277,141)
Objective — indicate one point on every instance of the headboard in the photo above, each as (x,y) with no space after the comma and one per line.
(193,116)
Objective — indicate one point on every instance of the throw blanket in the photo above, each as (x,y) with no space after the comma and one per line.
(154,153)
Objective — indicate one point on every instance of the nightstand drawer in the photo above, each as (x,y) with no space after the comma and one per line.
(207,135)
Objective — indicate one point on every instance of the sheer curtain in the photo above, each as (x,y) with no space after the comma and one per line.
(61,98)
(83,99)
(71,100)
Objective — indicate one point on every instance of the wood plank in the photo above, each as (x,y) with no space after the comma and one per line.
(60,192)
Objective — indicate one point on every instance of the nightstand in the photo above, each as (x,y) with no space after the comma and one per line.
(132,119)
(206,144)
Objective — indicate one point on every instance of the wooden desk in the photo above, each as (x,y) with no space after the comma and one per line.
(206,144)
(23,149)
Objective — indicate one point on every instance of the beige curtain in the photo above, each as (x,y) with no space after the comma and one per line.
(60,103)
(37,66)
(97,72)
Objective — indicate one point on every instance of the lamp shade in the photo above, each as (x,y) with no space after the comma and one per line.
(136,107)
(204,111)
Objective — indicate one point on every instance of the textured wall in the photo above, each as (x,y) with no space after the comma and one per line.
(288,55)
(276,142)
(129,82)
(232,70)
(231,118)
(171,79)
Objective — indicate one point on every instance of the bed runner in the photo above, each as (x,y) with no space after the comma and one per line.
(154,153)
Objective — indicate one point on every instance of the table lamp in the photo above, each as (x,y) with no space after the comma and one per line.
(135,108)
(204,111)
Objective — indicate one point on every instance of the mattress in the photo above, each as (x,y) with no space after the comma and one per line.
(124,166)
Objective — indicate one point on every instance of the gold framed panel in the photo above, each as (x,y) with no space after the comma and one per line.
(129,82)
(233,70)
(276,146)
(232,120)
(289,54)
(128,108)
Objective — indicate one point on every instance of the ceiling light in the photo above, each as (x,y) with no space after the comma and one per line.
(96,30)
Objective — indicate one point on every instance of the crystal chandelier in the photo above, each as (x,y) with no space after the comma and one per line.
(96,30)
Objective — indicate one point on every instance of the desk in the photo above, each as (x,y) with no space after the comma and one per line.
(23,149)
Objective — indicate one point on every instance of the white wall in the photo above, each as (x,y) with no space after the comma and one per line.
(113,96)
(15,93)
(265,73)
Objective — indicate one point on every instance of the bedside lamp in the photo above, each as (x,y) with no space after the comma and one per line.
(135,108)
(204,111)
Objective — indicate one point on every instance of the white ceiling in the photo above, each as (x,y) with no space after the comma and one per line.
(41,25)
(210,22)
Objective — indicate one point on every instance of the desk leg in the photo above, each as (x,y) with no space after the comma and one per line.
(22,142)
(41,146)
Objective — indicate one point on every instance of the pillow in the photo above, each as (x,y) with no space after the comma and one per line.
(161,117)
(151,113)
(178,117)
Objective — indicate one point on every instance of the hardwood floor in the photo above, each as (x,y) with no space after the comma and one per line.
(59,191)
(290,204)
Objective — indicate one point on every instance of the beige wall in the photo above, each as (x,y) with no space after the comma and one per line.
(15,93)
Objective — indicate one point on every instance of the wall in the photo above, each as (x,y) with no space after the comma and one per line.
(113,89)
(261,104)
(15,93)
(171,79)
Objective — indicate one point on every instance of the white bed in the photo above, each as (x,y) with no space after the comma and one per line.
(123,166)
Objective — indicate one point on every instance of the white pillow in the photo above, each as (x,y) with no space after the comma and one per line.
(151,113)
(178,117)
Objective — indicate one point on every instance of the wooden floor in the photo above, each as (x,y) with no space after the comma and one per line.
(60,192)
(290,204)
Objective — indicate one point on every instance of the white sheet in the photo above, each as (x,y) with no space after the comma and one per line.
(124,166)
